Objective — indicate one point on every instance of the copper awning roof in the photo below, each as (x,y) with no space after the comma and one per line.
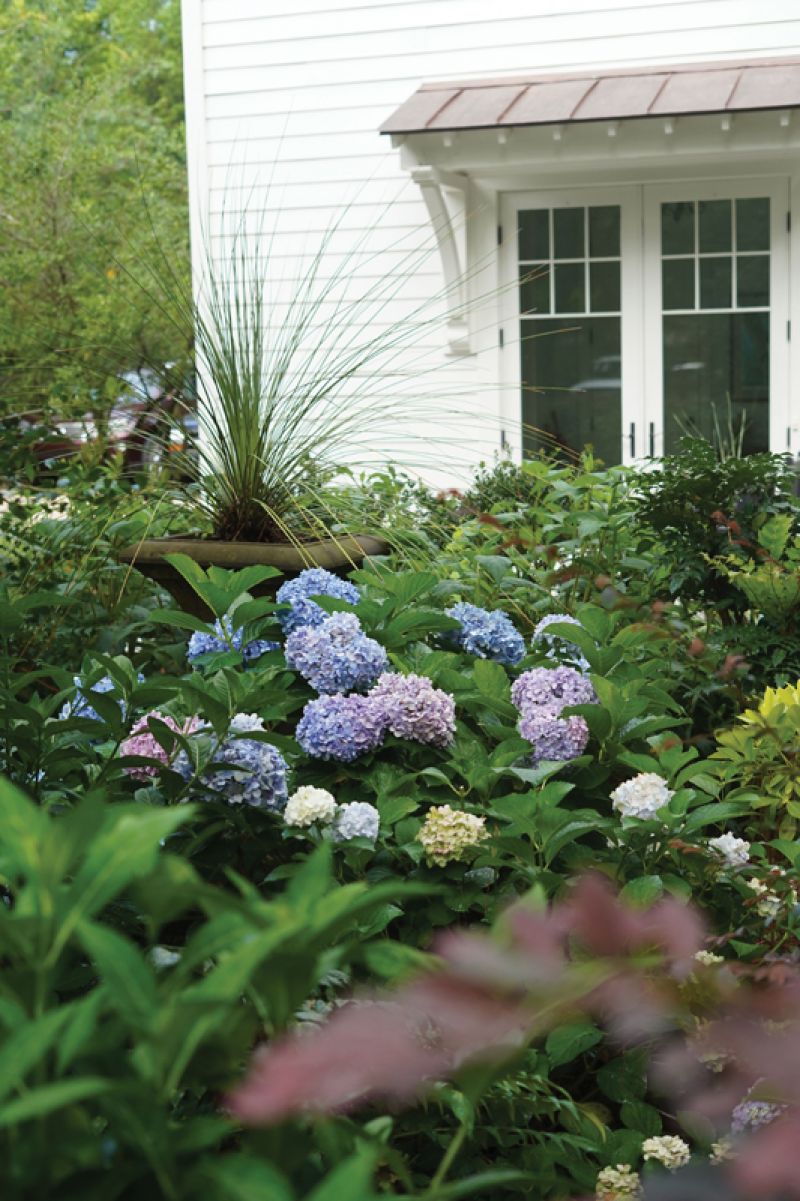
(690,90)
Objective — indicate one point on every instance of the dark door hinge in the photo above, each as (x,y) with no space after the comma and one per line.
(502,339)
(499,235)
(788,331)
(789,222)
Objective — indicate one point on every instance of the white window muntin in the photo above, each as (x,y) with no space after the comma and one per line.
(642,397)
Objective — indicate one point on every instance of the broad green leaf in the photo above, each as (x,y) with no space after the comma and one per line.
(568,1042)
(637,1115)
(242,1178)
(125,973)
(409,585)
(28,1044)
(128,848)
(24,828)
(643,891)
(80,1029)
(623,1079)
(182,621)
(351,1180)
(313,879)
(774,533)
(49,1097)
(491,679)
(715,813)
(391,960)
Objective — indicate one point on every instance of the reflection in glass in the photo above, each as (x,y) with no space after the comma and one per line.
(677,282)
(677,228)
(571,386)
(709,360)
(752,223)
(534,234)
(604,292)
(714,225)
(534,290)
(752,281)
(568,233)
(604,231)
(715,283)
(570,288)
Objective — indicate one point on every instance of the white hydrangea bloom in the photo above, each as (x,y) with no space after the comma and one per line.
(308,805)
(708,958)
(667,1149)
(619,1183)
(450,833)
(642,796)
(733,851)
(721,1151)
(356,819)
(769,903)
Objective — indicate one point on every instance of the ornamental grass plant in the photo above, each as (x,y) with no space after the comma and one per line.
(299,380)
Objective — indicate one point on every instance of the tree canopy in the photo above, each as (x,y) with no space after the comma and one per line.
(93,208)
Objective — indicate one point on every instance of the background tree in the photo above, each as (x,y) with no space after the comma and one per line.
(92,197)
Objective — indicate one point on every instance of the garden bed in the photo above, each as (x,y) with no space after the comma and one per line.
(562,716)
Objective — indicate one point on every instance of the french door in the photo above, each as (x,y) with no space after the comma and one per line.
(645,313)
(717,340)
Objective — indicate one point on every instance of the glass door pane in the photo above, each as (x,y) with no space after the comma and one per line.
(570,336)
(715,275)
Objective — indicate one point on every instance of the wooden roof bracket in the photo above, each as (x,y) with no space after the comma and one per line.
(445,197)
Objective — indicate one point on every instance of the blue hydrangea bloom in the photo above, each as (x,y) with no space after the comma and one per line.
(250,772)
(336,656)
(487,635)
(204,644)
(341,727)
(314,581)
(357,819)
(80,706)
(555,642)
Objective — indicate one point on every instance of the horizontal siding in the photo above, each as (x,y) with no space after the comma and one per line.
(374,196)
(259,42)
(357,15)
(511,58)
(289,95)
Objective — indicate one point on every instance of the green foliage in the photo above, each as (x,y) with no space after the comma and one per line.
(700,506)
(153,932)
(760,753)
(92,118)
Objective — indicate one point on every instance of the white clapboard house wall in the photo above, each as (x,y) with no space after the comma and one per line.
(646,206)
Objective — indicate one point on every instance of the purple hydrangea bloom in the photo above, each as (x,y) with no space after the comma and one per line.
(204,644)
(80,706)
(336,656)
(314,581)
(341,727)
(552,688)
(750,1115)
(553,738)
(251,772)
(412,708)
(357,819)
(487,635)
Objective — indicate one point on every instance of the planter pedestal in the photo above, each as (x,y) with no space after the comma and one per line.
(335,554)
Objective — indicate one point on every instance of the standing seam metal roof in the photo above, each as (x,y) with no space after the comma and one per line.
(658,91)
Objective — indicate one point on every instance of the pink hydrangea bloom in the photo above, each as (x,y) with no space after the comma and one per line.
(141,741)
